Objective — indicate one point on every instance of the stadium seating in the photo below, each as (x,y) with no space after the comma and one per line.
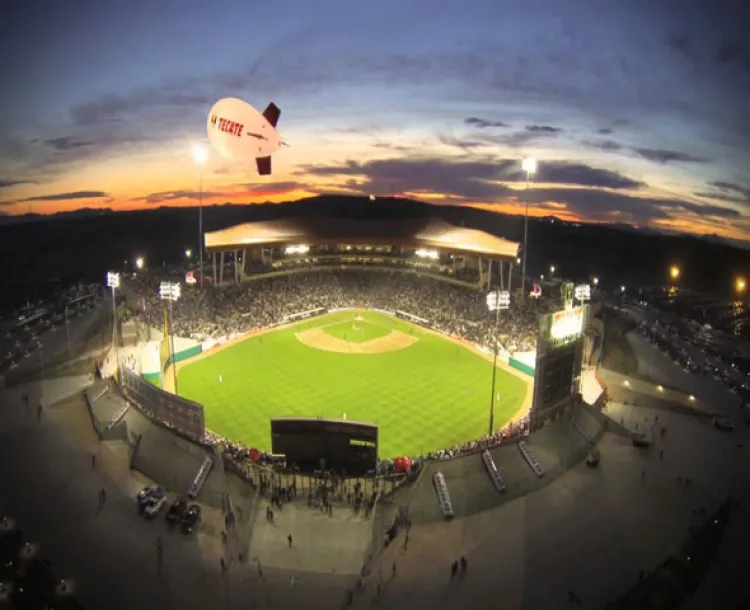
(494,475)
(530,459)
(200,478)
(441,490)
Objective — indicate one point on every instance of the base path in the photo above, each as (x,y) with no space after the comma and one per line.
(318,338)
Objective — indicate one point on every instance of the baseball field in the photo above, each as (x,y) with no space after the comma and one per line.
(423,390)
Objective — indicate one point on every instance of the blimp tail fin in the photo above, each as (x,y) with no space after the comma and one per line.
(272,114)
(264,165)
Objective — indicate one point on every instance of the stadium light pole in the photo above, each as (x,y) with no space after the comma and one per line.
(496,300)
(170,291)
(529,165)
(113,281)
(200,156)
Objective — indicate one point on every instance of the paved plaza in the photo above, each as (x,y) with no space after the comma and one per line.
(590,531)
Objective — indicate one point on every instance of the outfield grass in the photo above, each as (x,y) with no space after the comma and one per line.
(431,395)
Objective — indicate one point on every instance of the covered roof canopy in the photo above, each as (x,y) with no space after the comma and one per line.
(410,232)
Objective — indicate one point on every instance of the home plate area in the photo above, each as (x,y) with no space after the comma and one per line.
(356,336)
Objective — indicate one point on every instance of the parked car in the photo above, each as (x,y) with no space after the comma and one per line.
(593,459)
(146,494)
(722,423)
(153,506)
(177,511)
(641,441)
(191,519)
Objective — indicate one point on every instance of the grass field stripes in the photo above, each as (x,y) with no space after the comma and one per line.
(431,395)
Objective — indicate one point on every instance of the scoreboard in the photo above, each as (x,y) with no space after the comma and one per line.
(559,359)
(326,444)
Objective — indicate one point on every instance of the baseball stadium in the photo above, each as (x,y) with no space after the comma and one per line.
(392,325)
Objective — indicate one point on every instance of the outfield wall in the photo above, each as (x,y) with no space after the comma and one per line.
(524,362)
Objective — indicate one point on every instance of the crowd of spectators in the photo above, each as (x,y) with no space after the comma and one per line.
(458,311)
(263,302)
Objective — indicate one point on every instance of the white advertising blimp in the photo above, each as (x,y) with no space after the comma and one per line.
(239,132)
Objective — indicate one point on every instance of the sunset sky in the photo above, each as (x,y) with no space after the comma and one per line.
(638,111)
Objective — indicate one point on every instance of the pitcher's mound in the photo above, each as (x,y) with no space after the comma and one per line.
(318,338)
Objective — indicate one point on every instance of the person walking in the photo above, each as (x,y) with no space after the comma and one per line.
(289,539)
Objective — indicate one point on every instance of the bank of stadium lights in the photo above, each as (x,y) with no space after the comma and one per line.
(498,300)
(113,282)
(431,254)
(582,293)
(296,249)
(170,291)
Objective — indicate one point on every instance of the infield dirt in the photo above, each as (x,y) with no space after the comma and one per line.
(318,338)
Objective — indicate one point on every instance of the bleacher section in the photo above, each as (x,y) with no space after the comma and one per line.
(535,466)
(200,478)
(443,497)
(492,472)
(554,448)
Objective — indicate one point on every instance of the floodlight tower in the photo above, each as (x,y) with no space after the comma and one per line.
(497,301)
(170,291)
(200,156)
(113,281)
(529,165)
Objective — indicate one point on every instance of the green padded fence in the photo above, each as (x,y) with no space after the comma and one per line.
(186,353)
(153,378)
(520,366)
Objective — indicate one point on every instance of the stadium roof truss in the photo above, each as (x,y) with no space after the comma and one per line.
(409,232)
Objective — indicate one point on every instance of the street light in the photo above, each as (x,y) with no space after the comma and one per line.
(170,291)
(113,282)
(529,165)
(552,269)
(200,156)
(674,272)
(595,281)
(740,284)
(497,301)
(139,263)
(188,253)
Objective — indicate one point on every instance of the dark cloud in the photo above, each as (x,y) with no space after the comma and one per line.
(732,187)
(67,143)
(729,51)
(284,186)
(166,196)
(483,123)
(116,109)
(667,156)
(61,197)
(605,131)
(607,145)
(543,129)
(727,191)
(607,206)
(6,184)
(683,45)
(467,179)
(561,172)
(471,180)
